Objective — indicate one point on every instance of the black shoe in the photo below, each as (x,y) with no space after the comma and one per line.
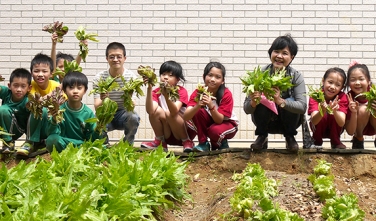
(291,143)
(260,143)
(357,144)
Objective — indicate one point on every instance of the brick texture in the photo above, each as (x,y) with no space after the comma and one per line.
(237,33)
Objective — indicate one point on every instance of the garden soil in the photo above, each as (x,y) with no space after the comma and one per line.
(211,185)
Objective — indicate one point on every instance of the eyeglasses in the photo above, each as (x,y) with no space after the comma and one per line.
(118,57)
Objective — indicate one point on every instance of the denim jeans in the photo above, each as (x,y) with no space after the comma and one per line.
(266,121)
(127,121)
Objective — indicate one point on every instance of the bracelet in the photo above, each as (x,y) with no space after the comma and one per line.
(212,108)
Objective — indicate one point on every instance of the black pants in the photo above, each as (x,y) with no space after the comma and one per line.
(267,122)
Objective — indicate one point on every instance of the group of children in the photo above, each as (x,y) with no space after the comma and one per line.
(349,111)
(174,122)
(208,115)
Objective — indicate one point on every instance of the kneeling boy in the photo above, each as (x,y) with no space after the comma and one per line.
(73,129)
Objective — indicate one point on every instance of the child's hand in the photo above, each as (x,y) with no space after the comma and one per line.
(164,90)
(354,105)
(334,104)
(84,42)
(103,96)
(205,100)
(324,107)
(54,37)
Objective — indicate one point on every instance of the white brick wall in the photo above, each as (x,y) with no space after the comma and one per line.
(238,33)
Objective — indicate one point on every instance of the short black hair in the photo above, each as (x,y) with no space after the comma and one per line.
(75,78)
(67,57)
(174,67)
(20,73)
(42,59)
(284,41)
(115,45)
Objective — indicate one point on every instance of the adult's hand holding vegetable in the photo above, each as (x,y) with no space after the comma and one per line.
(277,96)
(104,96)
(255,97)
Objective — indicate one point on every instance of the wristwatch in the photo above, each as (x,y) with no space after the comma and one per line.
(283,104)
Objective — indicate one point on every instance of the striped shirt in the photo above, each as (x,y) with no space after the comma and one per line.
(114,95)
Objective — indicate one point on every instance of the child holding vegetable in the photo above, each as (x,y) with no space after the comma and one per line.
(212,111)
(59,58)
(123,119)
(166,113)
(290,105)
(41,69)
(13,113)
(359,120)
(330,125)
(73,129)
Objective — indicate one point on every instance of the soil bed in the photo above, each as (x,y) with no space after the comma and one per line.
(213,187)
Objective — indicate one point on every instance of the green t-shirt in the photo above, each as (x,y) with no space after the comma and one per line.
(19,108)
(74,126)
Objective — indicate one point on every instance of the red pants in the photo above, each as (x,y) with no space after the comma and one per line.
(205,127)
(326,128)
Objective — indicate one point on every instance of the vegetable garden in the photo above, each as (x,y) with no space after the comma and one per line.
(121,183)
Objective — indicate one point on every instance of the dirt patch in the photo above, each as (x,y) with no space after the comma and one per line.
(213,187)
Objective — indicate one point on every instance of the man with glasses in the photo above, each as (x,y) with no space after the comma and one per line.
(127,121)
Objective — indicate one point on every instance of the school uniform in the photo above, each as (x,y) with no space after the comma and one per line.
(13,115)
(183,98)
(205,126)
(36,128)
(368,130)
(328,127)
(72,130)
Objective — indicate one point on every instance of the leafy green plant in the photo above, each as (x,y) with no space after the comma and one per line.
(343,208)
(69,66)
(93,183)
(264,81)
(317,94)
(322,180)
(104,115)
(82,36)
(57,27)
(52,102)
(35,105)
(371,97)
(131,86)
(254,191)
(149,73)
(172,91)
(201,90)
(105,85)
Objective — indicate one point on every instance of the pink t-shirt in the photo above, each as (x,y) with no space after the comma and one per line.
(342,101)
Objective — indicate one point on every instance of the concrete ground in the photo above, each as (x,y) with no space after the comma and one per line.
(272,144)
